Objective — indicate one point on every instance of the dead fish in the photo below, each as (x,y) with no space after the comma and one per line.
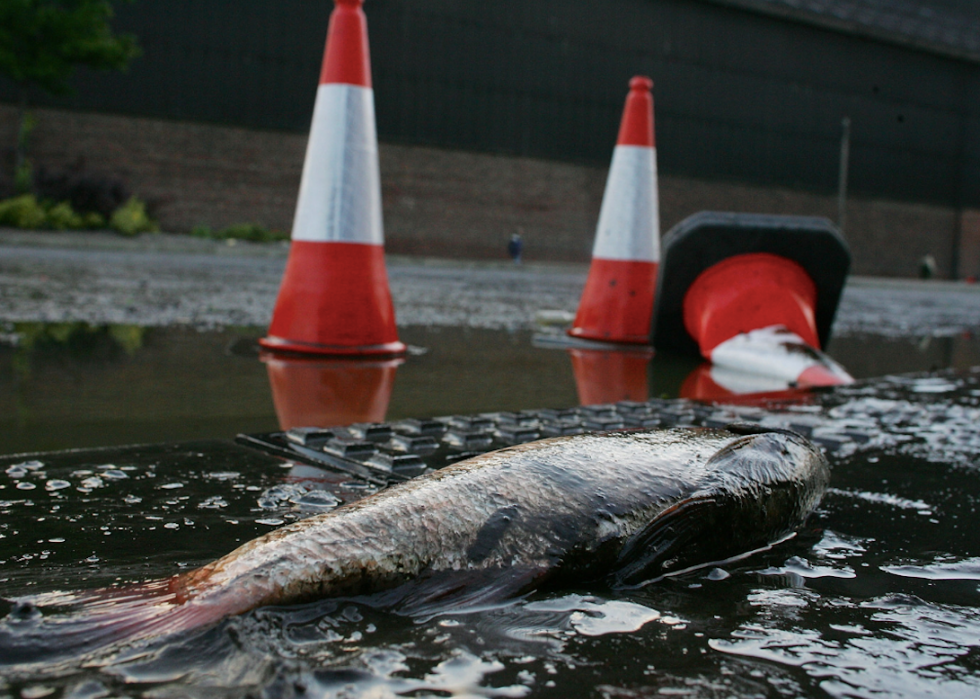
(619,508)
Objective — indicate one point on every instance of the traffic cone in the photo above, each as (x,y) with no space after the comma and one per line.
(755,313)
(755,294)
(329,392)
(617,301)
(334,298)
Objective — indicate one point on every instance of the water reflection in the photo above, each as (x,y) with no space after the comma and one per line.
(608,376)
(877,596)
(329,392)
(74,385)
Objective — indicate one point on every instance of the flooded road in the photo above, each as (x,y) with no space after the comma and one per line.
(75,385)
(879,595)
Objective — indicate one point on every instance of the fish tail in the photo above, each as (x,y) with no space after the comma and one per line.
(55,625)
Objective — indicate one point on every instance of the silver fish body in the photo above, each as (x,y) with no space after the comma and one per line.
(621,507)
(624,506)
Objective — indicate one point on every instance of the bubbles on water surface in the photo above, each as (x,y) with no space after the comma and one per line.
(305,497)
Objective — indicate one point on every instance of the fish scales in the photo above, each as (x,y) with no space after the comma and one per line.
(565,497)
(620,507)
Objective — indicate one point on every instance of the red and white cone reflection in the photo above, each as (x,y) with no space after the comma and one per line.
(608,376)
(320,392)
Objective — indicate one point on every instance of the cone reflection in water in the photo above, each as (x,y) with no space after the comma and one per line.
(717,384)
(320,392)
(607,376)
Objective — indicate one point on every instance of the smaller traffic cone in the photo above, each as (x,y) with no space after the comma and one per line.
(334,298)
(617,301)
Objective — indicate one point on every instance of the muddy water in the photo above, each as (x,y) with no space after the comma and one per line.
(878,596)
(74,385)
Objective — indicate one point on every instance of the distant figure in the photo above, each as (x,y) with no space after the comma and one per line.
(515,247)
(927,267)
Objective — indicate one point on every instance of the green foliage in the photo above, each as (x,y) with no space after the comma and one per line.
(27,125)
(93,220)
(253,232)
(62,217)
(24,168)
(42,41)
(24,176)
(131,218)
(22,212)
(127,337)
(26,211)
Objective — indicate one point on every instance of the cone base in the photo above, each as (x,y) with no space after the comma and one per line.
(709,237)
(617,302)
(280,345)
(334,300)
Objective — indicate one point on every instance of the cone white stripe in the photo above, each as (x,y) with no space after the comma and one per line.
(773,352)
(629,219)
(340,191)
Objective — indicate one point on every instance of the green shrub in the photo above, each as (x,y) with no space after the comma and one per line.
(62,217)
(93,220)
(128,337)
(24,177)
(131,218)
(22,212)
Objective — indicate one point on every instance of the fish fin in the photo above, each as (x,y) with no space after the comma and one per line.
(56,626)
(671,542)
(436,592)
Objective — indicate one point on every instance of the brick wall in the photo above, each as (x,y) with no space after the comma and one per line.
(441,202)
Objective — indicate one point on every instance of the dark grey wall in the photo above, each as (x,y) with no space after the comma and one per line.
(739,96)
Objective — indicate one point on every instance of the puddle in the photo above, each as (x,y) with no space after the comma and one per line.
(877,596)
(74,385)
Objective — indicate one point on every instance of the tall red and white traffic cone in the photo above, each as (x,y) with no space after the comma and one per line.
(617,301)
(334,298)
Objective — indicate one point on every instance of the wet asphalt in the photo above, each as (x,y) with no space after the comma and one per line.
(164,279)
